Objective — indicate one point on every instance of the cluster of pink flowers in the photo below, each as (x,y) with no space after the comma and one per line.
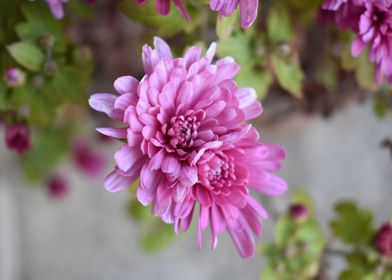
(186,136)
(248,9)
(371,20)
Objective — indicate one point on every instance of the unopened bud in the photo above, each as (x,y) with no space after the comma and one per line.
(383,241)
(50,68)
(299,212)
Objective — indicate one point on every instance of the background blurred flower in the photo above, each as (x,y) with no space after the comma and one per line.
(57,187)
(248,9)
(372,21)
(187,139)
(87,160)
(298,212)
(14,77)
(17,138)
(384,240)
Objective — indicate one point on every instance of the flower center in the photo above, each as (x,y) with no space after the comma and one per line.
(219,174)
(183,131)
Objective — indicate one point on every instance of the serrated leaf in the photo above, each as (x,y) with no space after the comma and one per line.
(289,75)
(27,54)
(352,225)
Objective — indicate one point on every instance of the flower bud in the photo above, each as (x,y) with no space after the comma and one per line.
(383,241)
(57,187)
(50,68)
(17,138)
(14,77)
(299,212)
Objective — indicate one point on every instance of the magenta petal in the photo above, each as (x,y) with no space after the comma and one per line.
(116,182)
(357,47)
(243,241)
(119,133)
(126,84)
(188,176)
(126,157)
(248,12)
(102,102)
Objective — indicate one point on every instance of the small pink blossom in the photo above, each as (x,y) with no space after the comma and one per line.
(17,138)
(87,160)
(56,7)
(186,136)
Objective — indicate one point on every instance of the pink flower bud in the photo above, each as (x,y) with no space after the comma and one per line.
(17,138)
(57,187)
(299,212)
(383,240)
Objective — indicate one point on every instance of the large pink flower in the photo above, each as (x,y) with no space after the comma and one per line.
(187,139)
(248,9)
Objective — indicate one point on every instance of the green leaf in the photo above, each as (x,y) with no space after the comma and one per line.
(283,231)
(259,80)
(279,26)
(380,107)
(289,75)
(365,73)
(352,225)
(27,54)
(238,47)
(157,236)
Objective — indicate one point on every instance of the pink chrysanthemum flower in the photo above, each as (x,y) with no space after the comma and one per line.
(372,21)
(375,31)
(187,139)
(163,7)
(56,7)
(248,9)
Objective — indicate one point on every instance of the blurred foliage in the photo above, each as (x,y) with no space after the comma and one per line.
(300,249)
(38,45)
